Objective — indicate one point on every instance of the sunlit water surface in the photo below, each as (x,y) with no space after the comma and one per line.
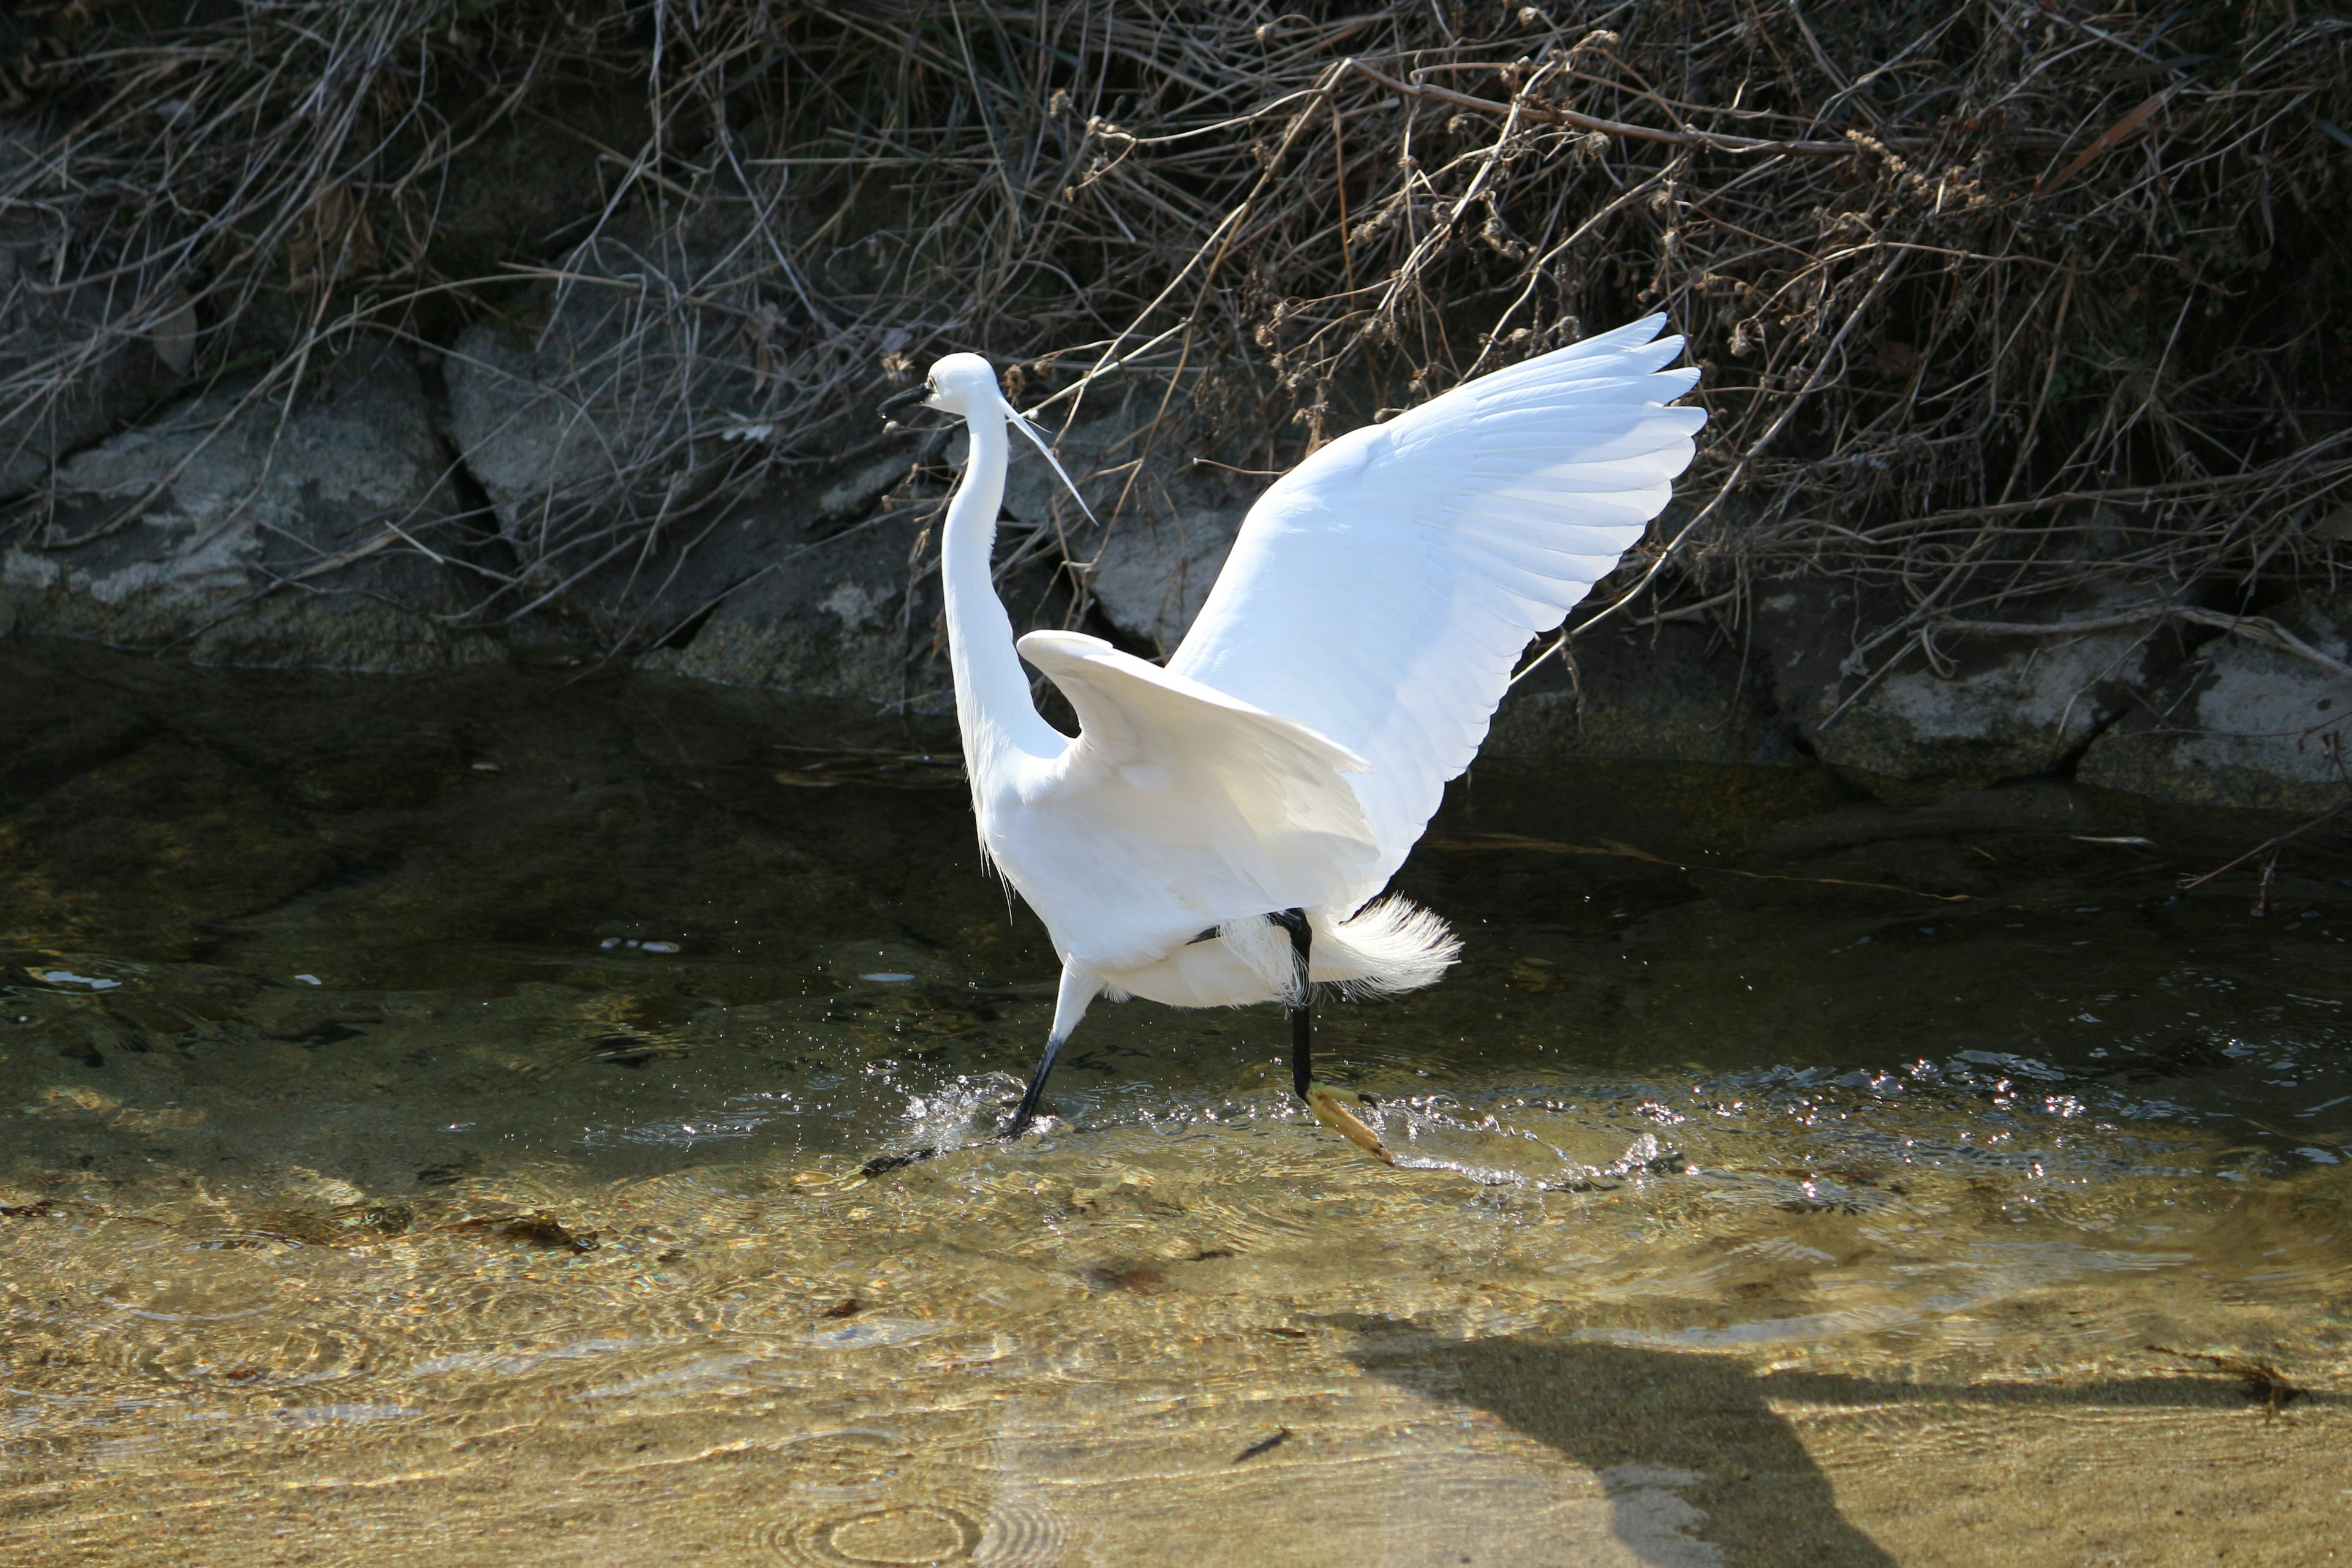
(434,1113)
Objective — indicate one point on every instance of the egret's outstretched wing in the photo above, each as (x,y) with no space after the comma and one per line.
(1234,810)
(1379,592)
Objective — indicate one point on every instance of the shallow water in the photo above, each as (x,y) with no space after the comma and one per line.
(434,1110)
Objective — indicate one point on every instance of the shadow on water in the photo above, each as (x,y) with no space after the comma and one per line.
(1672,1431)
(1654,1425)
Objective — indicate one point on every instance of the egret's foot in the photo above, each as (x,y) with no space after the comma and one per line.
(1330,1108)
(883,1164)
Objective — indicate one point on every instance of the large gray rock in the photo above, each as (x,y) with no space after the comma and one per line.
(2021,708)
(2005,707)
(1151,573)
(277,538)
(836,588)
(1165,536)
(831,616)
(817,591)
(2242,724)
(1800,633)
(542,446)
(617,401)
(74,361)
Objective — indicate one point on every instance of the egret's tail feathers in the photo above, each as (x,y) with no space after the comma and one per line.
(1390,945)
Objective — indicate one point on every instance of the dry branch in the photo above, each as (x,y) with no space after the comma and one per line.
(1995,300)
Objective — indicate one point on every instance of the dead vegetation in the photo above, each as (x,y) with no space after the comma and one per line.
(2012,301)
(2261,1380)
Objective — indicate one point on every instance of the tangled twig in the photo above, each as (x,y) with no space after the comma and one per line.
(1997,301)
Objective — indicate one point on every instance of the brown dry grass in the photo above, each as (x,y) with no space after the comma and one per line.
(1997,301)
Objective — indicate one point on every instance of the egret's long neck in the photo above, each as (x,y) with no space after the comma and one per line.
(992,705)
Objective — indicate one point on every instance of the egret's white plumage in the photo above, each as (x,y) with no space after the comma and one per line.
(1345,665)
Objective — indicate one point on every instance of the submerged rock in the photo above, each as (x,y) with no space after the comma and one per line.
(2045,806)
(2242,724)
(273,538)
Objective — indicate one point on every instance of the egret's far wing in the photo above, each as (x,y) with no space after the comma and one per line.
(1236,810)
(1380,592)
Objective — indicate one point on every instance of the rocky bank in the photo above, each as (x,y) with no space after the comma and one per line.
(315,525)
(399,338)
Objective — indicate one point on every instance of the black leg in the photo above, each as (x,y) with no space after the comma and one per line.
(1302,1046)
(1027,1110)
(1079,986)
(1023,1115)
(1302,1016)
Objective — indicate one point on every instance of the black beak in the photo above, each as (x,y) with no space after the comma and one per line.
(898,401)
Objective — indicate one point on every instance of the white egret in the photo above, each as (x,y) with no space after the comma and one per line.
(1219,830)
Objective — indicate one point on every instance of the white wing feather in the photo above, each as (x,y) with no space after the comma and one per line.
(1246,808)
(1379,593)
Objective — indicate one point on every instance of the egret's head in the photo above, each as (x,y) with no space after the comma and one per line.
(960,383)
(966,384)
